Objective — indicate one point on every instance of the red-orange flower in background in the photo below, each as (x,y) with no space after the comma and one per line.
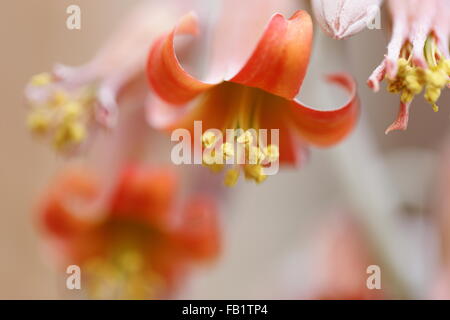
(143,243)
(248,87)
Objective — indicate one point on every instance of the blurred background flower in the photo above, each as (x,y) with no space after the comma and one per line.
(141,244)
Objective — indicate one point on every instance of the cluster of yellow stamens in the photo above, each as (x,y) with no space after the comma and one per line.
(62,115)
(412,80)
(246,153)
(121,276)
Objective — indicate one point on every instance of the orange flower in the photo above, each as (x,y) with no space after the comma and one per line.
(253,93)
(142,244)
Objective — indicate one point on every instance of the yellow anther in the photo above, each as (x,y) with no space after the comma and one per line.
(210,160)
(445,65)
(402,64)
(231,177)
(130,261)
(59,98)
(209,139)
(41,79)
(216,168)
(60,140)
(38,122)
(73,133)
(394,86)
(245,138)
(256,156)
(411,80)
(227,150)
(272,153)
(209,157)
(72,111)
(77,132)
(406,96)
(432,94)
(436,78)
(255,172)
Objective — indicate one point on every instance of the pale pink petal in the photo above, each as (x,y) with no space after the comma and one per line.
(344,18)
(377,76)
(442,27)
(422,15)
(399,12)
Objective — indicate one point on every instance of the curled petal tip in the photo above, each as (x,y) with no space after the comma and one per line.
(401,123)
(326,128)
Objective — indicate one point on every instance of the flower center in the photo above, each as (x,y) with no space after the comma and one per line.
(240,144)
(123,271)
(59,114)
(411,80)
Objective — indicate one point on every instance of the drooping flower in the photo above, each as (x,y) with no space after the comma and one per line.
(247,87)
(70,103)
(344,18)
(418,54)
(142,243)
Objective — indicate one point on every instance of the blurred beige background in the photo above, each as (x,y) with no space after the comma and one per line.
(262,222)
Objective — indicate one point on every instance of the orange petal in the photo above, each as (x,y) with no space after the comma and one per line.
(55,212)
(199,233)
(165,73)
(145,195)
(325,128)
(278,64)
(213,108)
(292,150)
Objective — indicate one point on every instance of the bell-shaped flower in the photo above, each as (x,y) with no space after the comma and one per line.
(248,85)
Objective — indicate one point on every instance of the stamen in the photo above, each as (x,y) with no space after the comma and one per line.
(245,138)
(412,80)
(272,153)
(63,116)
(38,122)
(231,177)
(41,79)
(256,156)
(255,172)
(227,150)
(247,153)
(209,139)
(121,276)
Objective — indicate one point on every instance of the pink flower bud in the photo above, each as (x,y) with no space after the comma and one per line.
(344,18)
